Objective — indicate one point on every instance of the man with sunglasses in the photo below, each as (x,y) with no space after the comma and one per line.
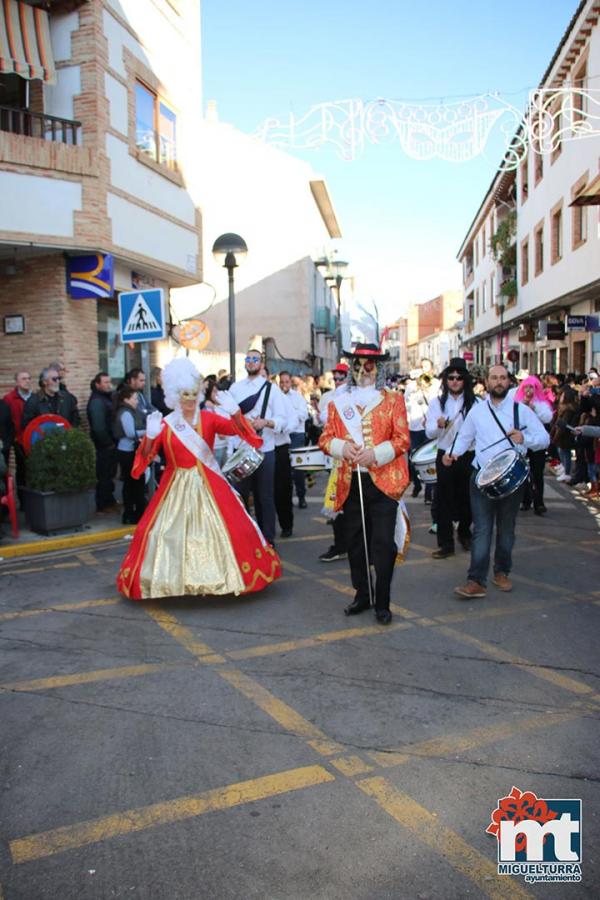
(263,405)
(445,415)
(50,399)
(367,431)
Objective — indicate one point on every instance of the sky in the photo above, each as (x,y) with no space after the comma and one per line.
(402,220)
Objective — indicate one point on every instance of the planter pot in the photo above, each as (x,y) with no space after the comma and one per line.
(47,512)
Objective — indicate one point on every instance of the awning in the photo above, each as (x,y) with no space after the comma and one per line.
(25,47)
(589,195)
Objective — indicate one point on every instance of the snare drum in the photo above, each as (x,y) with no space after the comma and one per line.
(423,459)
(503,474)
(244,462)
(310,459)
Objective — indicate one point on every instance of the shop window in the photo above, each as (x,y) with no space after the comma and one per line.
(525,261)
(155,127)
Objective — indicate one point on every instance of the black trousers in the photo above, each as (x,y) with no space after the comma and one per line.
(339,533)
(534,486)
(453,500)
(134,501)
(106,469)
(284,487)
(380,518)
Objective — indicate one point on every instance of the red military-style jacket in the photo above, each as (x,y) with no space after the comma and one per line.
(382,425)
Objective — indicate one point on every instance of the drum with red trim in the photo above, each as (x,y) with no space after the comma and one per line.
(39,427)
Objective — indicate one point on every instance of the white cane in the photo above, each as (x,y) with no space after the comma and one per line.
(364,530)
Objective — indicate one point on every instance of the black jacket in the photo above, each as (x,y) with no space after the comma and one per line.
(61,404)
(100,413)
(7,429)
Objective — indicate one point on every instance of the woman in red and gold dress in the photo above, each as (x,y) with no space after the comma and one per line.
(195,536)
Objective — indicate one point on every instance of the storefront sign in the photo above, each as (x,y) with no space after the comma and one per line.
(90,277)
(468,355)
(513,356)
(582,323)
(555,331)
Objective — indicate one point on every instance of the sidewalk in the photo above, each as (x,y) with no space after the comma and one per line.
(102,527)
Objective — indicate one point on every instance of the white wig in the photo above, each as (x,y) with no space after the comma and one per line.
(180,375)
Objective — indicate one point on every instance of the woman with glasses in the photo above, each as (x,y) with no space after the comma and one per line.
(445,415)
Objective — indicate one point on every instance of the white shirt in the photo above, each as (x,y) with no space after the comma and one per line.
(543,410)
(481,427)
(276,408)
(452,412)
(283,437)
(417,404)
(326,399)
(299,411)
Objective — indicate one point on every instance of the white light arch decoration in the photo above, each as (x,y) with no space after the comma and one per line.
(455,131)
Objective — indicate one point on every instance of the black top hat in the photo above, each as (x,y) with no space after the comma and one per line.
(456,364)
(366,351)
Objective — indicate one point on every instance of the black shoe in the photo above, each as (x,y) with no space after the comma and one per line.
(357,607)
(332,554)
(540,510)
(302,504)
(128,520)
(465,543)
(442,553)
(525,507)
(286,532)
(383,616)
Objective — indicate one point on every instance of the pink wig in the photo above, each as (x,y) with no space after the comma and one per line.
(538,390)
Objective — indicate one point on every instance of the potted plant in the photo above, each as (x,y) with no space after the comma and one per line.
(61,476)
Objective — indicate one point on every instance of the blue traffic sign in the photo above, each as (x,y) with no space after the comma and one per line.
(142,315)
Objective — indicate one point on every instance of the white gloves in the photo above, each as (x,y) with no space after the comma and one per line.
(153,425)
(226,403)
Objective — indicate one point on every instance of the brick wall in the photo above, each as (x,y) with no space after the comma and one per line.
(56,327)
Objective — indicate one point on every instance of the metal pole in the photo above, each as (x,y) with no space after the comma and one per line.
(364,530)
(230,267)
(145,361)
(501,333)
(338,329)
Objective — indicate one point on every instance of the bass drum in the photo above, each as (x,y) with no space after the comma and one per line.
(310,459)
(503,474)
(423,459)
(244,462)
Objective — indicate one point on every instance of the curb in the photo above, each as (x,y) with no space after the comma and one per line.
(35,548)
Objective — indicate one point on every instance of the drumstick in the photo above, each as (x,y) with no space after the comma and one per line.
(499,441)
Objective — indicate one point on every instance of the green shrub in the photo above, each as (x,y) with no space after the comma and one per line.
(63,461)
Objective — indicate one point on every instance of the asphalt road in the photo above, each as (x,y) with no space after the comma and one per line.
(273,748)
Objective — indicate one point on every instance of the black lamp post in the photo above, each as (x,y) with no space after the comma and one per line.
(336,267)
(229,250)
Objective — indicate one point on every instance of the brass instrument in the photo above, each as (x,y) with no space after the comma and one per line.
(424,380)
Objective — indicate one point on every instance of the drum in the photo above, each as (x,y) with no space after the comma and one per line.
(423,459)
(503,475)
(310,459)
(245,461)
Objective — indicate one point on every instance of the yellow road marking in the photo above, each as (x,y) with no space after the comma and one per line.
(297,570)
(183,635)
(427,828)
(556,678)
(308,537)
(283,714)
(33,548)
(327,637)
(510,609)
(453,744)
(61,607)
(57,681)
(543,585)
(402,611)
(351,766)
(87,557)
(336,586)
(67,565)
(70,837)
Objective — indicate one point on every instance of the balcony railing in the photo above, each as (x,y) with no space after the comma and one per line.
(30,124)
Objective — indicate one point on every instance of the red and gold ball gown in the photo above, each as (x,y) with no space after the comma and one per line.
(195,536)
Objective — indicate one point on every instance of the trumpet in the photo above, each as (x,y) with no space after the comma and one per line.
(424,380)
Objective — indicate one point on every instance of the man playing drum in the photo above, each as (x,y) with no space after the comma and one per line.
(445,416)
(367,430)
(496,424)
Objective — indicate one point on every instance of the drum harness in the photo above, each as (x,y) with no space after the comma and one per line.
(500,426)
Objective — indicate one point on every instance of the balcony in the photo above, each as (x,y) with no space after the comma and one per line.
(322,317)
(38,125)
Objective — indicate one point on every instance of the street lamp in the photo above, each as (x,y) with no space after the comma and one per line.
(336,267)
(229,250)
(501,311)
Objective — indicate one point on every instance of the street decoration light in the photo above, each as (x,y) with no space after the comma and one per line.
(229,250)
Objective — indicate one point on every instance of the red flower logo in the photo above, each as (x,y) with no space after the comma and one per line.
(517,807)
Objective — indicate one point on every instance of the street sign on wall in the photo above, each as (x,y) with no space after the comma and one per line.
(142,315)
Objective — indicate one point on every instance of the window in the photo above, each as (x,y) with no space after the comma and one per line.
(155,127)
(557,120)
(476,249)
(539,249)
(578,216)
(538,167)
(525,261)
(477,302)
(483,297)
(13,91)
(579,85)
(556,238)
(492,289)
(483,243)
(524,179)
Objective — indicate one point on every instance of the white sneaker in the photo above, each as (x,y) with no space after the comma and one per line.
(559,471)
(563,477)
(433,529)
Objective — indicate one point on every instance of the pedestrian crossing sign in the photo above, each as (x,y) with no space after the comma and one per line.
(142,315)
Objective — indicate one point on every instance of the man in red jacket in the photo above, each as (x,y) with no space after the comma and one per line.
(16,400)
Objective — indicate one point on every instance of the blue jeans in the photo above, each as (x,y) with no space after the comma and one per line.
(565,458)
(298,439)
(485,512)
